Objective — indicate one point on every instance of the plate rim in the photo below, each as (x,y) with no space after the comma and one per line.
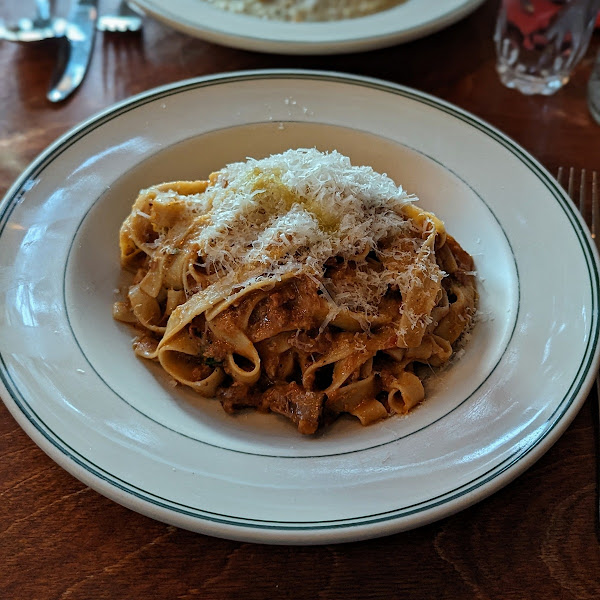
(307,532)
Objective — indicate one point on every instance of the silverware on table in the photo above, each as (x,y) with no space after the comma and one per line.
(75,50)
(591,214)
(580,196)
(126,19)
(75,36)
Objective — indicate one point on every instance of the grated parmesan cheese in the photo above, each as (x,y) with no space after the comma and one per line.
(291,212)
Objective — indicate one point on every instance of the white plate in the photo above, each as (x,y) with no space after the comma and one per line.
(111,419)
(408,21)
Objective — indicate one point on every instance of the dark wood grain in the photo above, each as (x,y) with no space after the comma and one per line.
(535,538)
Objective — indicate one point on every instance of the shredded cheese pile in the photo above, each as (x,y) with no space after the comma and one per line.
(291,212)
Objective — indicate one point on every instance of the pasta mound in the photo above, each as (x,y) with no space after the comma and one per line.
(297,284)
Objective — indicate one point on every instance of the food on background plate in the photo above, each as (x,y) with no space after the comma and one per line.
(306,10)
(297,284)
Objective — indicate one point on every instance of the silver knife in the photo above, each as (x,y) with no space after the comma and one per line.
(75,50)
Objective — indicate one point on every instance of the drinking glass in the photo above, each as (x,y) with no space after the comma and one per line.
(539,42)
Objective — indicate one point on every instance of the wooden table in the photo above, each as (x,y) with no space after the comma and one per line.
(536,538)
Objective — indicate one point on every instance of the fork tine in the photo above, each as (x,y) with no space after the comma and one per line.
(577,191)
(582,198)
(595,207)
(571,184)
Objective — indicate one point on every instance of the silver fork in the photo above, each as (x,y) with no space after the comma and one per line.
(591,216)
(580,198)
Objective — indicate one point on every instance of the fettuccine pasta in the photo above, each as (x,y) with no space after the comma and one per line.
(297,284)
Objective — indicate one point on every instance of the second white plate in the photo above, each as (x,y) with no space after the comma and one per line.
(408,21)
